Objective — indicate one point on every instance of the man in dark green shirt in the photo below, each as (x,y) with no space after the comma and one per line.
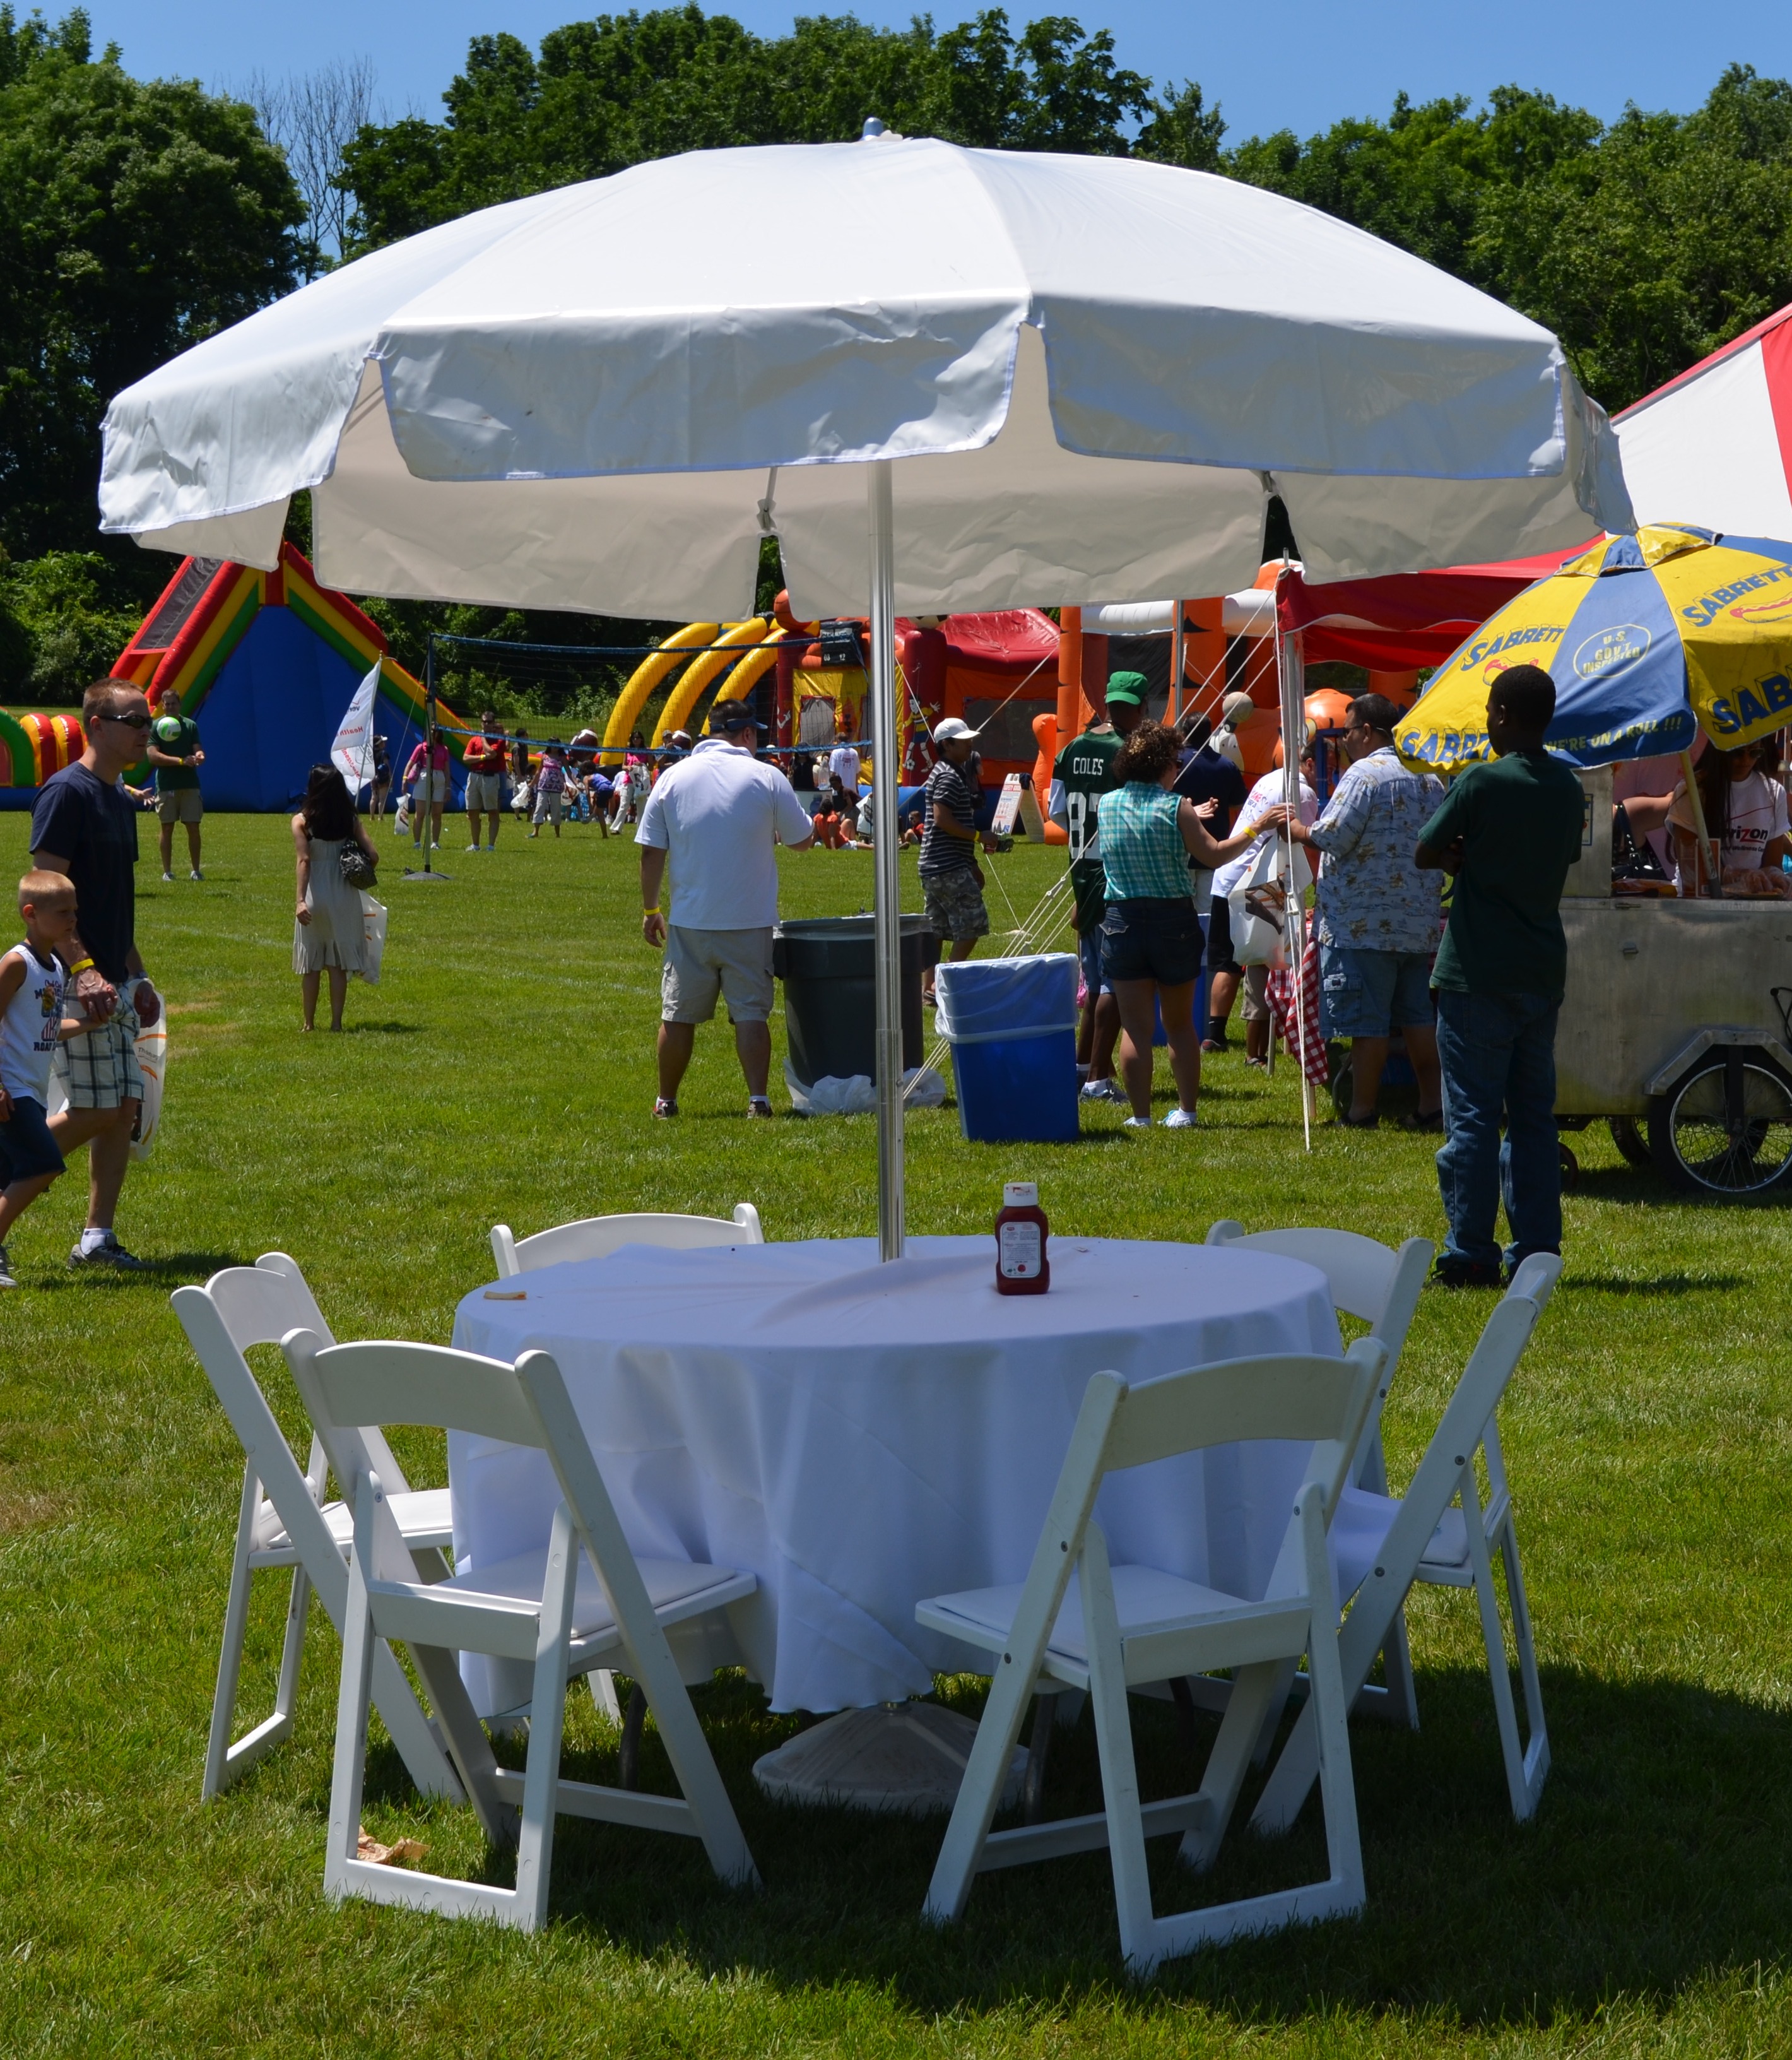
(1508,830)
(1082,773)
(174,751)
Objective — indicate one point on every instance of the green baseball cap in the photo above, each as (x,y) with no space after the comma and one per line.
(1128,687)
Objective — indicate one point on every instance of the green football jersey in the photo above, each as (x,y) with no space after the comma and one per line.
(1083,773)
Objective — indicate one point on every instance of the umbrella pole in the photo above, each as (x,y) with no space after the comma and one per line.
(1708,851)
(886,768)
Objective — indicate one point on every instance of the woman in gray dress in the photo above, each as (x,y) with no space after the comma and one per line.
(329,927)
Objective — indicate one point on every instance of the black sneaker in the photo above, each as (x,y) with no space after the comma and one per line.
(665,1106)
(6,1279)
(1450,1273)
(109,1253)
(759,1105)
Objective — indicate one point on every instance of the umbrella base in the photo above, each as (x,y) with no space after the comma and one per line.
(905,1758)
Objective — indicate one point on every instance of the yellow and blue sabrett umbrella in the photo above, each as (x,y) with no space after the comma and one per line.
(1649,639)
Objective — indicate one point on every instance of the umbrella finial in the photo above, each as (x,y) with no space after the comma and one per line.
(873,128)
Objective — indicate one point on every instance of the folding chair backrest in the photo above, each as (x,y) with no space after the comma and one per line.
(1470,1418)
(258,1305)
(1366,1279)
(222,1320)
(1302,1397)
(400,1383)
(596,1237)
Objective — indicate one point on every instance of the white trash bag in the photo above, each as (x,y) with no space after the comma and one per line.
(1257,906)
(373,938)
(856,1094)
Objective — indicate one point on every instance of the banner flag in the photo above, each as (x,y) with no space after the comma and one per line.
(353,752)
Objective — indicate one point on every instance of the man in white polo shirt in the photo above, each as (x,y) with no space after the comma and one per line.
(720,816)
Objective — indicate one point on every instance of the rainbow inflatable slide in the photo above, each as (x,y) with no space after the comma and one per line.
(266,662)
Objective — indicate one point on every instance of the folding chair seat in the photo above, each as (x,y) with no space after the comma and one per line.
(596,1237)
(584,1601)
(1381,1286)
(1442,1534)
(283,1522)
(1121,1627)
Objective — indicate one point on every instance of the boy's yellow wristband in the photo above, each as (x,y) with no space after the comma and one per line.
(80,966)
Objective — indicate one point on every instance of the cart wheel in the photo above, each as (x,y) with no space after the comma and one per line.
(1627,1134)
(1726,1130)
(1570,1167)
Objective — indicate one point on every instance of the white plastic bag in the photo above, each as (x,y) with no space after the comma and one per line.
(856,1093)
(1257,905)
(373,938)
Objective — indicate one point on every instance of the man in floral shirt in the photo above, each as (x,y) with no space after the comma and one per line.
(1380,916)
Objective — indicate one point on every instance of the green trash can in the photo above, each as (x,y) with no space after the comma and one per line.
(829,967)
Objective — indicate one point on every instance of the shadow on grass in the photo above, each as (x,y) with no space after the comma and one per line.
(381,1030)
(161,1269)
(1661,1855)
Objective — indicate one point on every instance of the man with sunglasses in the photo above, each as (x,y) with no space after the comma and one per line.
(83,826)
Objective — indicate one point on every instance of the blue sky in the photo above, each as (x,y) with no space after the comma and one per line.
(1302,64)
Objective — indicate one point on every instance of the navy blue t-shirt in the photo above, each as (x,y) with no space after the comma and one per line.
(92,829)
(1209,777)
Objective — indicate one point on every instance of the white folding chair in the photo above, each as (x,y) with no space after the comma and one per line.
(543,1606)
(1128,1623)
(596,1237)
(283,1522)
(1381,1286)
(1442,1534)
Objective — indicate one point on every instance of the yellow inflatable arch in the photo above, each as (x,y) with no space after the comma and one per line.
(643,680)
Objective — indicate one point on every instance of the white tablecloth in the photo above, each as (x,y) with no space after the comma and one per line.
(860,1436)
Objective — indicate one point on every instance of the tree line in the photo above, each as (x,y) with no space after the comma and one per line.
(137,217)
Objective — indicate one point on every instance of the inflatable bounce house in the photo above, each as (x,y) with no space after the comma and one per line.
(997,672)
(266,663)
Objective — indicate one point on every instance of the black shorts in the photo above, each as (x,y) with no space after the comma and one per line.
(1219,938)
(1151,940)
(26,1146)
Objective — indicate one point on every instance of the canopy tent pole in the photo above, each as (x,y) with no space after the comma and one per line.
(429,875)
(1291,678)
(886,768)
(1173,711)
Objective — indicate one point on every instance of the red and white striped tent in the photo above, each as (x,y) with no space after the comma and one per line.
(1713,447)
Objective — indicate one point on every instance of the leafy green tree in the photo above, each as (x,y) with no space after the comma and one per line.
(603,94)
(135,219)
(61,625)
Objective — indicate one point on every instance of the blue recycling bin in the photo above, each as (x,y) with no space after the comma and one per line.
(1011,1025)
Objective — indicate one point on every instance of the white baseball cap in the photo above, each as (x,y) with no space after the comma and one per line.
(951,729)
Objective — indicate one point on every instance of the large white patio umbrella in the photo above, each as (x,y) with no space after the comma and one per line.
(944,379)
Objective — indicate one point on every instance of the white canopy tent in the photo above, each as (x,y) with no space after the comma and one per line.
(975,379)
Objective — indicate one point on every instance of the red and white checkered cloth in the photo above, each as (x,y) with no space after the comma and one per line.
(1281,996)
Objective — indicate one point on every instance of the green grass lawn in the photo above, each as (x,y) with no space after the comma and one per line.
(504,1070)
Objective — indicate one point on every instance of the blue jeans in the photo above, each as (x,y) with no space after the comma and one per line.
(1498,1054)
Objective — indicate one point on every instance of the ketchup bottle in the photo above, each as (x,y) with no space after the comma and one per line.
(1021,1265)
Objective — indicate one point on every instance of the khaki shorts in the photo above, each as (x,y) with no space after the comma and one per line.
(181,804)
(550,807)
(1256,994)
(701,964)
(484,793)
(99,1070)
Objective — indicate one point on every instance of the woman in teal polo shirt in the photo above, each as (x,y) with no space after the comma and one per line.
(1151,935)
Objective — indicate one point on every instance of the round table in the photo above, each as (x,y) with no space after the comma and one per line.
(860,1436)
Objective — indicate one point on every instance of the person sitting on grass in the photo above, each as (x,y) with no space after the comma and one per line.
(1151,935)
(32,1025)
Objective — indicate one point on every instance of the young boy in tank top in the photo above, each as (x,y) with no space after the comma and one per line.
(31,1024)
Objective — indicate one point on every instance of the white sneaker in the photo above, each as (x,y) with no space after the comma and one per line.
(473,847)
(169,878)
(6,1278)
(1179,1118)
(1108,1090)
(1137,1123)
(196,874)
